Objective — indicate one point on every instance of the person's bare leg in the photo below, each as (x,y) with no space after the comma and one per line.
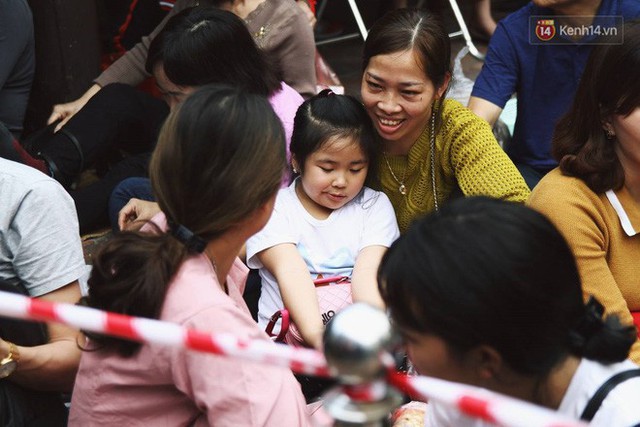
(484,20)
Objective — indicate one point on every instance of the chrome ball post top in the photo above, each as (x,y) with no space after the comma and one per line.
(357,345)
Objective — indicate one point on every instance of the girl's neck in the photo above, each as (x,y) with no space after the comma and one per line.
(547,391)
(552,390)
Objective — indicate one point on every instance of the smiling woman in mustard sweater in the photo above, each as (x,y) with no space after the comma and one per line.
(431,148)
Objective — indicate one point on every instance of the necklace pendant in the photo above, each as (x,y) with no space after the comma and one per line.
(402,189)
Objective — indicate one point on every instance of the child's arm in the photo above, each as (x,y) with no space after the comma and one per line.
(364,281)
(297,289)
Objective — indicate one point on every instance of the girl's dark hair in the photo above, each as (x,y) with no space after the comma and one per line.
(609,86)
(220,156)
(327,115)
(416,30)
(204,44)
(488,272)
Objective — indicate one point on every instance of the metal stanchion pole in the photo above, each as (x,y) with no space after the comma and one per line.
(357,345)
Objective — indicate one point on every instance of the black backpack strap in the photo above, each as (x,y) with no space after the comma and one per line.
(596,400)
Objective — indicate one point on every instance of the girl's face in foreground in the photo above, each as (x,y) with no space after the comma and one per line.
(432,356)
(398,96)
(331,176)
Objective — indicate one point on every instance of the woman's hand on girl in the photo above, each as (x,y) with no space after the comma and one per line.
(136,211)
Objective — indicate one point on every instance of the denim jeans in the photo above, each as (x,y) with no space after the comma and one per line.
(118,118)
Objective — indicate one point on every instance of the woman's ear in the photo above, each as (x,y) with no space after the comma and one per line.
(256,221)
(267,207)
(486,362)
(443,87)
(608,129)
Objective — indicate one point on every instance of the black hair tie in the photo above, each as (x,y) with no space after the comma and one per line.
(192,241)
(590,323)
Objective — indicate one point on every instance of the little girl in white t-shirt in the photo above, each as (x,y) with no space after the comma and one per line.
(327,222)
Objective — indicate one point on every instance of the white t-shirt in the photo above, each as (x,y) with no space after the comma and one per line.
(621,407)
(39,239)
(329,247)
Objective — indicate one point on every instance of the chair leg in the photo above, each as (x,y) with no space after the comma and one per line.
(320,9)
(464,31)
(358,17)
(363,32)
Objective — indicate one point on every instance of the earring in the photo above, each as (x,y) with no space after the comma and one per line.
(295,171)
(610,133)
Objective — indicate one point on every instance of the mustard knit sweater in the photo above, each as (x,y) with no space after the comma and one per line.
(468,158)
(608,258)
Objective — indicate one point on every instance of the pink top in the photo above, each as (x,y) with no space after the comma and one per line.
(162,386)
(285,103)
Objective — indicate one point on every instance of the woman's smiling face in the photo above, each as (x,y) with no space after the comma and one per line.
(398,96)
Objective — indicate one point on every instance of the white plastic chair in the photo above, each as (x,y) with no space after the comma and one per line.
(464,30)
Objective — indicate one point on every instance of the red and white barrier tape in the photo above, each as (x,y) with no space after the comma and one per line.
(304,361)
(477,403)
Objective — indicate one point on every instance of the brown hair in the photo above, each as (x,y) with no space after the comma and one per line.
(220,156)
(609,86)
(417,30)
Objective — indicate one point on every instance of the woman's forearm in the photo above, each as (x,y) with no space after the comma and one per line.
(51,366)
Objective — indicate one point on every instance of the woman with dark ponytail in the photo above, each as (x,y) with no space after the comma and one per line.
(486,292)
(215,174)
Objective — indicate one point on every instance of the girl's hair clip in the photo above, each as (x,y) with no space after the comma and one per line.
(197,26)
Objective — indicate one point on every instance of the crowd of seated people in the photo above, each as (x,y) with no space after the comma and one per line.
(242,165)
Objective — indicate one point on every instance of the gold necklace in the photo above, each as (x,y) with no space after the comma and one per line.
(401,187)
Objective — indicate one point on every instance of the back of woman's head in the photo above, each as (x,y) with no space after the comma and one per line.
(204,44)
(220,156)
(488,272)
(326,116)
(218,159)
(609,86)
(412,29)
